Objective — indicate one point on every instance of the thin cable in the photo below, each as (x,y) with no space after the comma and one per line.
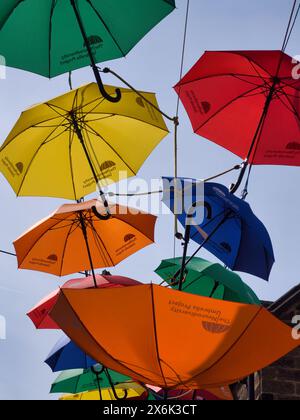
(112,194)
(7,253)
(292,27)
(177,116)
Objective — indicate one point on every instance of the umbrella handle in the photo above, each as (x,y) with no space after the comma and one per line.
(87,44)
(102,90)
(114,389)
(236,186)
(100,216)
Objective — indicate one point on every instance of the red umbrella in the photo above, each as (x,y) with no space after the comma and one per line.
(247,102)
(39,315)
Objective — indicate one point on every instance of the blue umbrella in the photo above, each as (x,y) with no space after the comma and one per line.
(66,355)
(228,227)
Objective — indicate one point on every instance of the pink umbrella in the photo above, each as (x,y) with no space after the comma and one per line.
(39,315)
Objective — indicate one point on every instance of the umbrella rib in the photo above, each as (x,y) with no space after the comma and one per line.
(294,110)
(106,27)
(176,374)
(37,125)
(71,138)
(94,340)
(236,76)
(209,222)
(225,106)
(10,13)
(109,145)
(155,336)
(230,348)
(36,241)
(65,246)
(34,156)
(217,75)
(92,153)
(95,233)
(252,62)
(53,108)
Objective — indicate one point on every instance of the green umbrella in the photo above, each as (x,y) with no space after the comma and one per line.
(81,380)
(208,279)
(52,37)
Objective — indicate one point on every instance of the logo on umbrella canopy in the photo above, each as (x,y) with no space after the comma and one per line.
(53,258)
(20,167)
(215,328)
(293,146)
(140,102)
(107,168)
(129,237)
(94,40)
(202,107)
(226,247)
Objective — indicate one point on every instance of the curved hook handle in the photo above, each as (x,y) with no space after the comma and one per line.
(114,389)
(106,95)
(234,187)
(100,216)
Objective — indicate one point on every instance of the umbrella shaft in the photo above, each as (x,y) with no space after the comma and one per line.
(81,139)
(186,244)
(92,59)
(84,231)
(187,236)
(256,137)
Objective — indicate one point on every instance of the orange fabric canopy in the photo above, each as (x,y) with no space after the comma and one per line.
(172,339)
(57,245)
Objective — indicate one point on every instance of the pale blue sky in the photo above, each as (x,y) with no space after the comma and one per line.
(153,65)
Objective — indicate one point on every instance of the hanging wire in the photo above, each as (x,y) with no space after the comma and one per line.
(112,194)
(7,253)
(288,33)
(177,119)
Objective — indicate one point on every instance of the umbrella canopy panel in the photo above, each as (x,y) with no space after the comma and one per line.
(57,245)
(54,44)
(226,95)
(213,343)
(61,147)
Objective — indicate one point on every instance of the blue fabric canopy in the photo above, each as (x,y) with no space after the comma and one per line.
(66,355)
(241,241)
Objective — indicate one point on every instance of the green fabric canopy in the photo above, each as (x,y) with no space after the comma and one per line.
(44,37)
(208,279)
(80,380)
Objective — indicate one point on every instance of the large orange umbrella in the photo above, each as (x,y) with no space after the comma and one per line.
(76,237)
(172,339)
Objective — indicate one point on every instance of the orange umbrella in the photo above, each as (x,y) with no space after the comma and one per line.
(77,237)
(172,339)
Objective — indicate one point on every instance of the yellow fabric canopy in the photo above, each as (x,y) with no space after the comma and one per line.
(44,155)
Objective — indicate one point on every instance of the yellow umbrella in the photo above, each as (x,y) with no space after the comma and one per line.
(68,145)
(134,391)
